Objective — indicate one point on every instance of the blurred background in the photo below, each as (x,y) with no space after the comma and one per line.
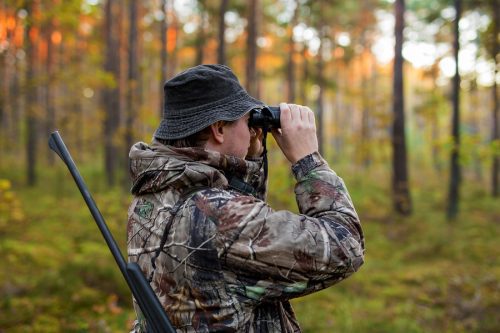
(406,101)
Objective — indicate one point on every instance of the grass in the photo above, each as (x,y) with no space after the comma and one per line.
(422,273)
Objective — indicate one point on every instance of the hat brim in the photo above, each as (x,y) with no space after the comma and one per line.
(190,123)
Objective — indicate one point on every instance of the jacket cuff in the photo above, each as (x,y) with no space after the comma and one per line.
(306,164)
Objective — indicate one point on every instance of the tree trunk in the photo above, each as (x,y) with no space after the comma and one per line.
(3,110)
(436,151)
(221,50)
(50,122)
(3,90)
(305,76)
(455,172)
(163,53)
(76,101)
(32,91)
(321,83)
(9,102)
(133,77)
(400,185)
(111,95)
(435,126)
(291,53)
(495,172)
(15,111)
(366,108)
(13,71)
(172,46)
(338,123)
(374,92)
(251,66)
(475,130)
(201,38)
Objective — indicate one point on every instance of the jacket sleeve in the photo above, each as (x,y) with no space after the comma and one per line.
(270,254)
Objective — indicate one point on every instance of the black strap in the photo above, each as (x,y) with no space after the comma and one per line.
(240,186)
(175,209)
(264,153)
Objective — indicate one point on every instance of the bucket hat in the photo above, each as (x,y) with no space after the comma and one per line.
(199,97)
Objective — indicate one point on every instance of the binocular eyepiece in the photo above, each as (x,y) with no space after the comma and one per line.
(266,117)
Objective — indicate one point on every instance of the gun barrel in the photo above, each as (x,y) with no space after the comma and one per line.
(56,143)
(151,307)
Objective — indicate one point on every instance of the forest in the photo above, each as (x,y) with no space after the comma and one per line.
(406,103)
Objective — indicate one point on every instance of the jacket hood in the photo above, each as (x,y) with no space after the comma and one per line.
(156,167)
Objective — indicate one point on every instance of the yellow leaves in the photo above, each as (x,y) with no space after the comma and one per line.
(4,185)
(10,207)
(8,196)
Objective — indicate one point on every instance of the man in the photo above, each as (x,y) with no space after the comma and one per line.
(220,259)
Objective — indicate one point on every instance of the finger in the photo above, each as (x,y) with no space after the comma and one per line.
(295,112)
(259,133)
(310,117)
(276,132)
(303,114)
(285,114)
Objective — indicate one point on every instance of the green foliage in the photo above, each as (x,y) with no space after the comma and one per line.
(57,273)
(422,274)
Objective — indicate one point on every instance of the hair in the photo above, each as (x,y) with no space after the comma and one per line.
(198,139)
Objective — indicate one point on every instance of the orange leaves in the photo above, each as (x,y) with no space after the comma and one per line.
(11,23)
(269,60)
(8,26)
(111,306)
(171,39)
(56,37)
(19,36)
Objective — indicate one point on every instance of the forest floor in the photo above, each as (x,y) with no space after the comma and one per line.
(421,273)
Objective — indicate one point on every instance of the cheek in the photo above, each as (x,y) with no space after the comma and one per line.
(245,133)
(245,139)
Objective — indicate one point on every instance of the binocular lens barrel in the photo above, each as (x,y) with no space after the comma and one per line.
(267,117)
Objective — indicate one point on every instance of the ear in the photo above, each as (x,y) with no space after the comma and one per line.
(217,132)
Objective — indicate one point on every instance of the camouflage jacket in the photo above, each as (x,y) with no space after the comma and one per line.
(230,262)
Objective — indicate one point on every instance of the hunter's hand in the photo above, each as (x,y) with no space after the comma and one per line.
(256,148)
(297,136)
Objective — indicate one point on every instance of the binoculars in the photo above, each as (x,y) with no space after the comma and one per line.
(266,117)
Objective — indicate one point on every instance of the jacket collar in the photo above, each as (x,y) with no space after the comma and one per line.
(157,166)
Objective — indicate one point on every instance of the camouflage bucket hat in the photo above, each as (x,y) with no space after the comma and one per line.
(199,97)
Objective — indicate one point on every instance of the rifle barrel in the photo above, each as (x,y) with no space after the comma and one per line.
(151,307)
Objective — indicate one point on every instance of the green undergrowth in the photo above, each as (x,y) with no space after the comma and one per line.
(421,273)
